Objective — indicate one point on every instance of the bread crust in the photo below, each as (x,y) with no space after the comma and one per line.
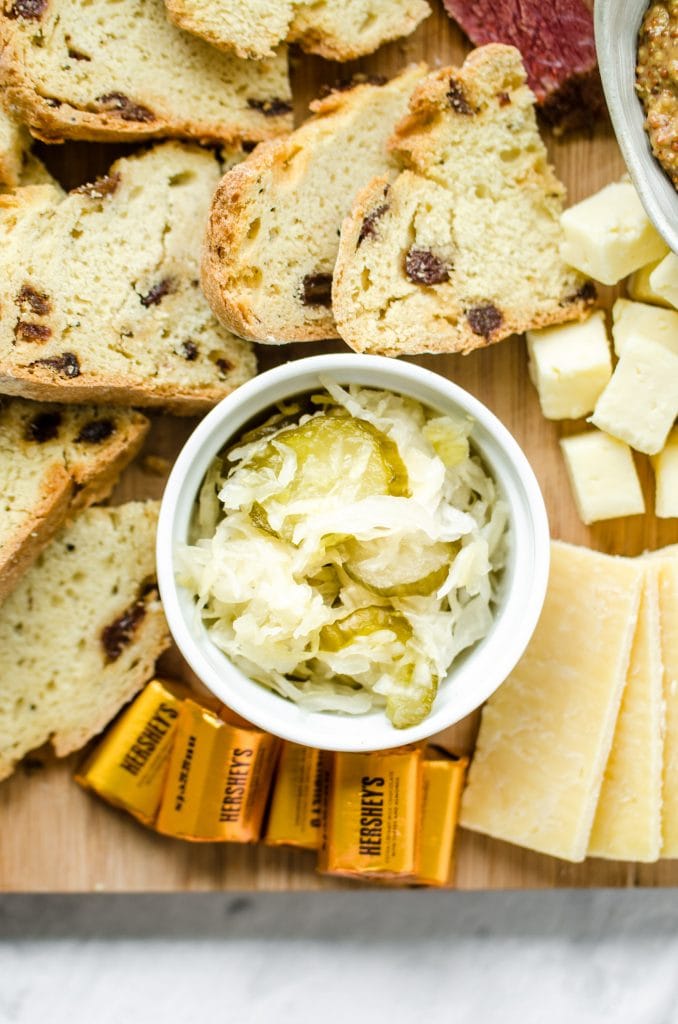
(42,385)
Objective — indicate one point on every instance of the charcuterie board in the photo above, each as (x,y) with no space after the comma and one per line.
(55,837)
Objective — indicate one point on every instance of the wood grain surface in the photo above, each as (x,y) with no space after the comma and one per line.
(55,837)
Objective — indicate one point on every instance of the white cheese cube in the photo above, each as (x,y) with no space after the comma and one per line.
(639,288)
(569,366)
(665,466)
(609,235)
(603,476)
(636,319)
(664,279)
(640,403)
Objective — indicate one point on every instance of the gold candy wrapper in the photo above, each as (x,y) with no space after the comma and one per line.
(300,794)
(128,768)
(218,780)
(442,782)
(373,814)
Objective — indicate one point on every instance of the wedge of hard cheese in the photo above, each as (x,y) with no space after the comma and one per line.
(546,734)
(627,825)
(668,604)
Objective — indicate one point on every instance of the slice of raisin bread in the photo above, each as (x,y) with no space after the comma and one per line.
(55,459)
(335,29)
(118,69)
(80,633)
(462,248)
(274,224)
(120,317)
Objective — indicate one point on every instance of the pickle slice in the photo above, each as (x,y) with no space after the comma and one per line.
(326,581)
(411,565)
(328,448)
(411,704)
(260,519)
(363,622)
(448,439)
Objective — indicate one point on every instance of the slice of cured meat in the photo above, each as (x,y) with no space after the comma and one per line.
(557,46)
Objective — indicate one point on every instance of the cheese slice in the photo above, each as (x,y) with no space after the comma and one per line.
(546,734)
(627,825)
(668,605)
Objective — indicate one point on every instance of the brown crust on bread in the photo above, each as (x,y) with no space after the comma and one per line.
(42,385)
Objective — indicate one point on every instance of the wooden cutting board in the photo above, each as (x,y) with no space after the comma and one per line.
(55,837)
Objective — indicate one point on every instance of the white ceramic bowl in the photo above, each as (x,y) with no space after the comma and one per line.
(617,23)
(477,673)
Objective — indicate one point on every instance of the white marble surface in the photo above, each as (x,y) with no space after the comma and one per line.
(571,957)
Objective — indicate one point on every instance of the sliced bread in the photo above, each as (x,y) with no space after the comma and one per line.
(274,225)
(462,248)
(127,324)
(335,29)
(80,633)
(118,69)
(55,459)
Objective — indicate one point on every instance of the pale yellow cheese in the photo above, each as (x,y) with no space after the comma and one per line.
(665,465)
(609,235)
(640,403)
(627,825)
(639,288)
(668,604)
(638,320)
(603,476)
(664,279)
(546,734)
(570,364)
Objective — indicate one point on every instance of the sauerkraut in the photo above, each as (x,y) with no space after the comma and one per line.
(345,552)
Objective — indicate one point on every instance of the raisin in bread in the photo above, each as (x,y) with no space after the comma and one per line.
(462,248)
(127,323)
(274,225)
(335,29)
(117,69)
(55,459)
(80,633)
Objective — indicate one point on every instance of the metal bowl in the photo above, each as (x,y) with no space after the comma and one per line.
(617,23)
